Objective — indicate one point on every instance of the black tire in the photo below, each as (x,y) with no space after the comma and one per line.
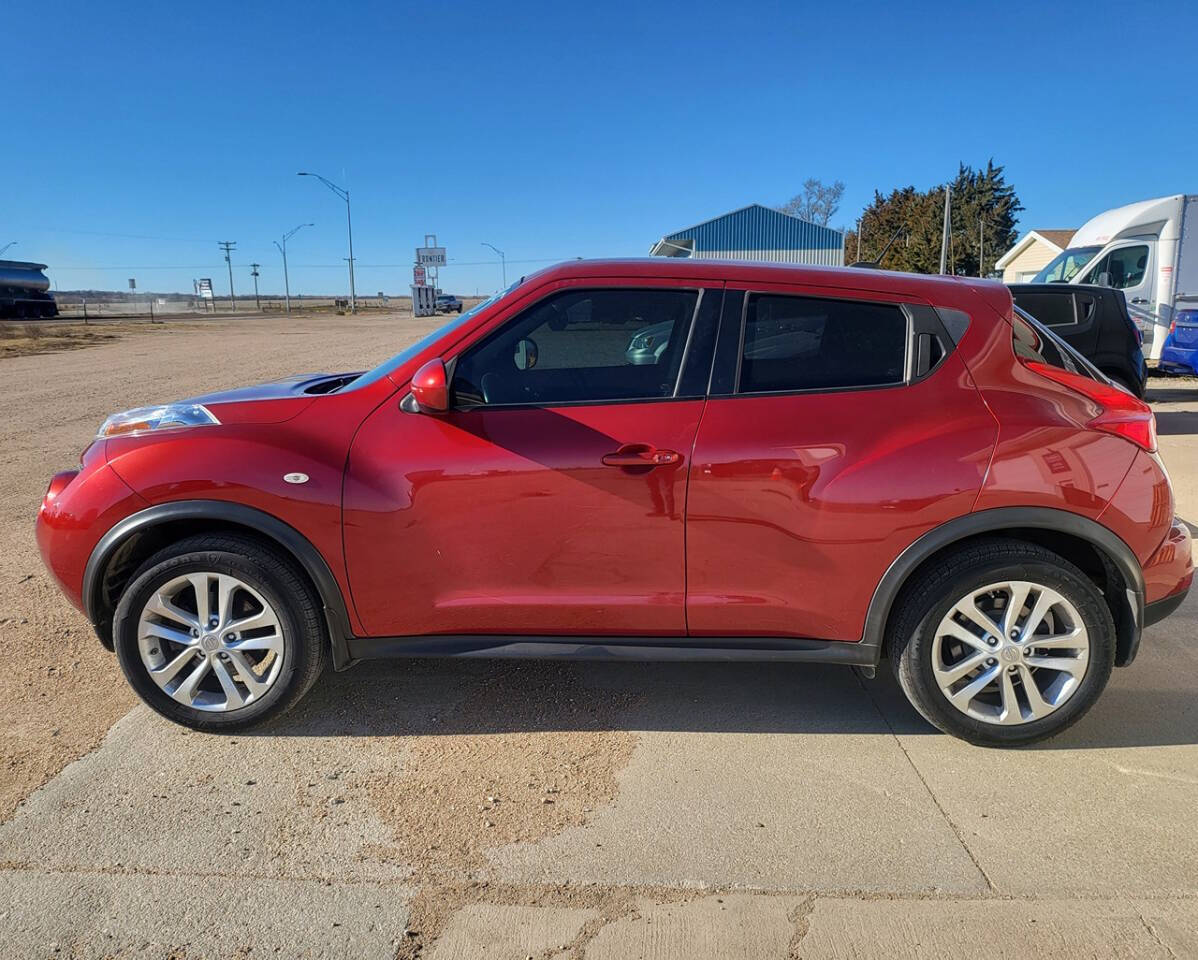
(928,600)
(275,577)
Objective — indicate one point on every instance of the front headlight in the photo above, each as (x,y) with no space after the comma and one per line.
(169,416)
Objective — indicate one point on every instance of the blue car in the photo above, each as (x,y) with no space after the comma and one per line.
(1180,351)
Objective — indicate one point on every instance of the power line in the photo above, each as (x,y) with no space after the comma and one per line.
(123,236)
(306,266)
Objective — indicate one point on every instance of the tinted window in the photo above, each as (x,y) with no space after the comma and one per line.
(1121,269)
(1051,308)
(797,343)
(582,346)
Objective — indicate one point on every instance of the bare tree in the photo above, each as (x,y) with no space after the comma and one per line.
(818,202)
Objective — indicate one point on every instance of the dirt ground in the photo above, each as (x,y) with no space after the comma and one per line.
(59,690)
(20,339)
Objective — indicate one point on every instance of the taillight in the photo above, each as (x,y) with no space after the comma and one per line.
(1121,414)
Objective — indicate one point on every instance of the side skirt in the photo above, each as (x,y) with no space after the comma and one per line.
(616,648)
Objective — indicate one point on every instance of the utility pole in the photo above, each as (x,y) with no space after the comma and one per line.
(283,250)
(859,219)
(254,274)
(228,246)
(981,248)
(944,237)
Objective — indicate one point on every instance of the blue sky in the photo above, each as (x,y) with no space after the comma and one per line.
(145,132)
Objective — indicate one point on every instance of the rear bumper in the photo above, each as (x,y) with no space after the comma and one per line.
(1174,359)
(1156,612)
(1170,570)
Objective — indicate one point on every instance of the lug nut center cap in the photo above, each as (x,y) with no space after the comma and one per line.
(210,643)
(1010,655)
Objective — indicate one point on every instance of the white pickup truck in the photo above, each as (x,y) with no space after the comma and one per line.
(1149,250)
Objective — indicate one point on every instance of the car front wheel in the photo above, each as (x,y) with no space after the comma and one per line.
(1003,643)
(219,632)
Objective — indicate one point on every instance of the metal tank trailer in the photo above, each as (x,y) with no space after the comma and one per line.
(25,291)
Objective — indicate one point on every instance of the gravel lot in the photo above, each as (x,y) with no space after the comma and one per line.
(470,809)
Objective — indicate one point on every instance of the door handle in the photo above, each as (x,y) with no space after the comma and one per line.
(640,455)
(1139,300)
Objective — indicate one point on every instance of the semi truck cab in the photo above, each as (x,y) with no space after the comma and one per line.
(1149,250)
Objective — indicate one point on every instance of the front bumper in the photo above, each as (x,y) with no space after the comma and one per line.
(75,514)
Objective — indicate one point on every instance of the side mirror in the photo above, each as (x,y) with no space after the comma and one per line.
(430,387)
(526,354)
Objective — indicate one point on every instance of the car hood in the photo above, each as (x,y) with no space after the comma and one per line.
(304,384)
(274,401)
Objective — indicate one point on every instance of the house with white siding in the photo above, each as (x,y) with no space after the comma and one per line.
(1033,252)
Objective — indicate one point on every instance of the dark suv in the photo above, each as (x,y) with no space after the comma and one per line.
(1094,321)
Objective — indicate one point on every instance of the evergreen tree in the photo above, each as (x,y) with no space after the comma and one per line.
(983,203)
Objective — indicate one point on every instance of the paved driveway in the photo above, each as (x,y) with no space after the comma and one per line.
(461,809)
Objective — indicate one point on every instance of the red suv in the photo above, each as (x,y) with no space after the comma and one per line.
(659,459)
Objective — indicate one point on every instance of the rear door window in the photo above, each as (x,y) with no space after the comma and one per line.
(1052,308)
(803,343)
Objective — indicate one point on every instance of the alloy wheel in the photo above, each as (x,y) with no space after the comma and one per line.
(210,641)
(1010,653)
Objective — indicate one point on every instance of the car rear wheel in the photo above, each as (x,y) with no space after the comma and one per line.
(219,633)
(1003,643)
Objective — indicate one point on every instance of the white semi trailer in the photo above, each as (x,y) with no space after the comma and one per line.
(1149,250)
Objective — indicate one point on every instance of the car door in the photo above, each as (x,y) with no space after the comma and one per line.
(839,428)
(1129,267)
(549,500)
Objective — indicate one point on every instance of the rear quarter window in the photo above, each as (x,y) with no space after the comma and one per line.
(1034,343)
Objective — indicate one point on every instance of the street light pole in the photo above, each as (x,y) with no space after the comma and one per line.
(502,260)
(344,195)
(6,246)
(283,250)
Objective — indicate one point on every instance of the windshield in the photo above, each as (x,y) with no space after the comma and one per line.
(1066,265)
(384,368)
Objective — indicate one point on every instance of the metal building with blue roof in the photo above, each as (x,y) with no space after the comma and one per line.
(756,233)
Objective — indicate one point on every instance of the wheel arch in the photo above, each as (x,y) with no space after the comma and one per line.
(130,541)
(1101,554)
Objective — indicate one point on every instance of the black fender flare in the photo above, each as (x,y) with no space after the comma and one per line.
(294,543)
(999,520)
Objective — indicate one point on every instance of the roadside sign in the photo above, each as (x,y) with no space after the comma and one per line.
(430,256)
(418,275)
(205,287)
(132,284)
(424,301)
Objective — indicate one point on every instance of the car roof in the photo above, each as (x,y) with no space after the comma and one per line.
(924,286)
